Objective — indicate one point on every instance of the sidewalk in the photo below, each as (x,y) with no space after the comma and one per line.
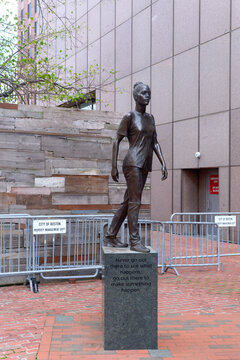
(199,318)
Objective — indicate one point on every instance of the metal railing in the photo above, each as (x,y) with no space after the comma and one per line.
(229,235)
(24,252)
(192,244)
(15,244)
(27,247)
(60,247)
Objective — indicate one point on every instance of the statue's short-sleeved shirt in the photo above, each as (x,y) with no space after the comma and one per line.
(141,133)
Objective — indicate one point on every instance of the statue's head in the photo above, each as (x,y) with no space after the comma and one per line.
(141,93)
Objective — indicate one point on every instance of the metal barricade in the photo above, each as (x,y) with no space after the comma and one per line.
(229,235)
(23,251)
(61,247)
(60,254)
(192,244)
(15,244)
(31,245)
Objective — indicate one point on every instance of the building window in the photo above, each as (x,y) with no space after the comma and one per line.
(88,104)
(22,14)
(36,28)
(36,6)
(29,53)
(29,33)
(29,10)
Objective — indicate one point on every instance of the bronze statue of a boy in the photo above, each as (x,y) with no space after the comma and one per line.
(139,127)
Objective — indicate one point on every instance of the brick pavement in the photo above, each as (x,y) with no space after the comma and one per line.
(199,318)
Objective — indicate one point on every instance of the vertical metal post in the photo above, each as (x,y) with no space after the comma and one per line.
(19,245)
(170,243)
(33,253)
(89,240)
(10,263)
(53,251)
(157,243)
(85,241)
(101,240)
(218,247)
(75,243)
(45,250)
(163,246)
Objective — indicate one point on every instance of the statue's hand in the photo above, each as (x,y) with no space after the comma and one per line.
(115,175)
(164,173)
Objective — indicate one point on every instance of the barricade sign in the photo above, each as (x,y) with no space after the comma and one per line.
(49,226)
(225,221)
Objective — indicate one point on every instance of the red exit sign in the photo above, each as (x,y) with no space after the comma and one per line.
(214,184)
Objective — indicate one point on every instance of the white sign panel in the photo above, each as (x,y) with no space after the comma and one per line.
(46,226)
(225,221)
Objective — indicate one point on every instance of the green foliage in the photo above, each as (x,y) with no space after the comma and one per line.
(37,66)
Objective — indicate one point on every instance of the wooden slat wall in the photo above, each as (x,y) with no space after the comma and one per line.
(55,160)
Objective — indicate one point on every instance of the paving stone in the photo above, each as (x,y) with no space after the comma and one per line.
(221,337)
(160,353)
(62,327)
(63,319)
(155,358)
(221,346)
(222,322)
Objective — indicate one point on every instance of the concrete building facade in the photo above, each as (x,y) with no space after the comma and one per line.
(188,51)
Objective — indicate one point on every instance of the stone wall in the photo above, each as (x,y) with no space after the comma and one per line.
(55,160)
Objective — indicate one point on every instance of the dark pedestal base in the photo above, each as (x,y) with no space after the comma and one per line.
(130,299)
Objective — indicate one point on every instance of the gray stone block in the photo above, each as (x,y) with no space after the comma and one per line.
(130,299)
(63,319)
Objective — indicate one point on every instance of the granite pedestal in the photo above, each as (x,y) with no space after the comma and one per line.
(130,299)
